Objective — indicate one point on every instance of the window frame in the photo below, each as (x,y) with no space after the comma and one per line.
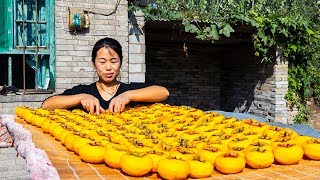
(50,36)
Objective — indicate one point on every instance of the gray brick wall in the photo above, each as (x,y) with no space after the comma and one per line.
(227,78)
(192,81)
(245,81)
(9,103)
(73,50)
(222,76)
(280,85)
(137,67)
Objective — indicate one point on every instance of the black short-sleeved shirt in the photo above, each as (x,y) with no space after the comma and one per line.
(92,90)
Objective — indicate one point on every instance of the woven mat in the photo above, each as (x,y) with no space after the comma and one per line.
(70,166)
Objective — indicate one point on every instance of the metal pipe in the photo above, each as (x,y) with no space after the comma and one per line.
(32,47)
(24,50)
(9,71)
(37,47)
(31,21)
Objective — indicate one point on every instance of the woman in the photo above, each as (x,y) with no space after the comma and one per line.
(107,92)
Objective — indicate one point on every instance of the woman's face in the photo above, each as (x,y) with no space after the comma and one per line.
(108,64)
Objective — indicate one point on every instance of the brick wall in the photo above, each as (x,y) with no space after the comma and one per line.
(314,120)
(245,81)
(192,81)
(10,102)
(73,50)
(137,66)
(222,76)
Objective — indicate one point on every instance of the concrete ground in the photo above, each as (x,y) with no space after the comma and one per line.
(12,166)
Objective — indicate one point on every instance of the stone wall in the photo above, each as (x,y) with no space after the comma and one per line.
(10,102)
(192,80)
(280,88)
(73,49)
(223,76)
(137,48)
(314,120)
(245,81)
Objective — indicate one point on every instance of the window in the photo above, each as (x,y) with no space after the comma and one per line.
(27,44)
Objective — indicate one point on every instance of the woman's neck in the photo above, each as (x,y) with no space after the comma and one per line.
(111,84)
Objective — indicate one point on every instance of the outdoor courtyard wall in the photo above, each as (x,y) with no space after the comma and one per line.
(227,78)
(73,63)
(221,76)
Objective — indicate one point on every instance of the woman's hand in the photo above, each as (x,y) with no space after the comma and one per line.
(119,103)
(91,104)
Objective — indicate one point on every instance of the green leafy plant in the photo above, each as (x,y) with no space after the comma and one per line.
(292,25)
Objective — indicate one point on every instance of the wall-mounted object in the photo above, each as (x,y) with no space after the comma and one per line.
(78,19)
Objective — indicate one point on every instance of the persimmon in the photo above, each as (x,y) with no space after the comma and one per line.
(113,154)
(287,132)
(239,150)
(42,112)
(229,128)
(311,148)
(53,124)
(209,132)
(238,132)
(63,135)
(57,130)
(210,152)
(34,119)
(45,125)
(155,156)
(79,142)
(173,168)
(218,118)
(136,164)
(300,140)
(92,153)
(225,139)
(288,153)
(239,142)
(251,135)
(230,163)
(190,135)
(271,131)
(68,141)
(28,116)
(220,125)
(39,121)
(282,140)
(200,168)
(182,153)
(263,138)
(259,127)
(259,157)
(229,120)
(216,136)
(259,144)
(247,122)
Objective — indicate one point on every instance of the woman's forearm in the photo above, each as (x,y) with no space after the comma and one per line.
(148,94)
(61,101)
